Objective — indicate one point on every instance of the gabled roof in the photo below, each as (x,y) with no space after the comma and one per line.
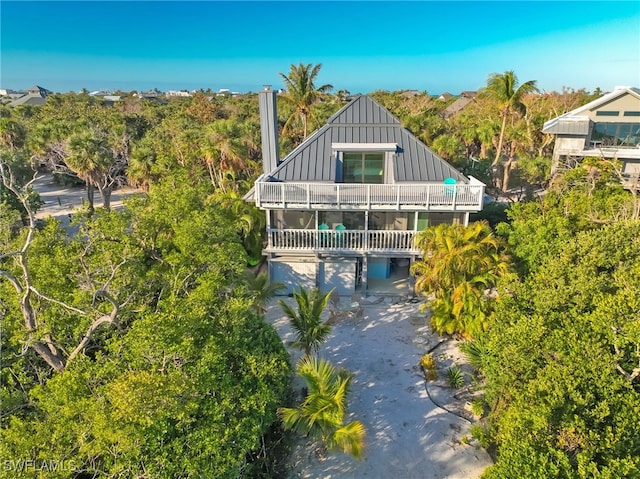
(36,89)
(29,99)
(576,121)
(363,120)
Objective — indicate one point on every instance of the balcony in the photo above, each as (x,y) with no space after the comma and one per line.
(343,241)
(349,196)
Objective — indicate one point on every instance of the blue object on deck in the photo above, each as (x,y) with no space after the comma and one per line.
(449,190)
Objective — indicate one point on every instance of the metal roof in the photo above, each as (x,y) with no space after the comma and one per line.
(561,124)
(363,120)
(575,125)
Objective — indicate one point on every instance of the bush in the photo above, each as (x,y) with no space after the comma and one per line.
(455,378)
(477,407)
(428,364)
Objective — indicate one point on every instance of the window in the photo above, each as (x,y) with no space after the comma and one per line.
(616,134)
(607,113)
(632,113)
(363,167)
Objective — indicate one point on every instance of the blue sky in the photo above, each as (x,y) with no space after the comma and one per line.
(363,46)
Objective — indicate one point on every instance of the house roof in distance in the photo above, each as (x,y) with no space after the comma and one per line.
(363,121)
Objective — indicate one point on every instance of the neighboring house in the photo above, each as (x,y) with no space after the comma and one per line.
(465,98)
(343,208)
(456,107)
(608,128)
(36,95)
(445,96)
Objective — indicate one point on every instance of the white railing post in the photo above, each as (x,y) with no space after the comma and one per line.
(282,193)
(309,195)
(368,196)
(338,195)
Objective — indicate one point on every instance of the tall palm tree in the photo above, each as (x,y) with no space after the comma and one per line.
(302,93)
(504,89)
(459,263)
(321,414)
(307,322)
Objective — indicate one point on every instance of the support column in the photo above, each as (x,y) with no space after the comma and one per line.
(364,286)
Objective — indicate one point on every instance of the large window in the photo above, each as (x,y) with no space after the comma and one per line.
(360,167)
(616,134)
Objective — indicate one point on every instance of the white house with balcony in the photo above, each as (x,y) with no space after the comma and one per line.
(607,128)
(344,207)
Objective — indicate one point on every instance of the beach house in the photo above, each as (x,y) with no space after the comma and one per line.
(607,128)
(344,207)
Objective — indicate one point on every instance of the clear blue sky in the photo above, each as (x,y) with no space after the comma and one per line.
(363,46)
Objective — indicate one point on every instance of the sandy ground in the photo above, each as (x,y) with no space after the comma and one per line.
(62,201)
(408,435)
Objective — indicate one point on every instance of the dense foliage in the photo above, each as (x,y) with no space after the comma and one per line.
(562,365)
(160,364)
(187,379)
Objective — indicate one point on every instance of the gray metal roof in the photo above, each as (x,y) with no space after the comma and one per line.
(363,120)
(577,125)
(561,124)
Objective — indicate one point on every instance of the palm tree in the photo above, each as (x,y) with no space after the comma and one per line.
(307,322)
(302,93)
(460,263)
(321,414)
(504,89)
(89,157)
(261,290)
(224,152)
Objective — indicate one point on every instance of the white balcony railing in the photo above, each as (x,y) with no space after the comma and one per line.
(409,197)
(356,241)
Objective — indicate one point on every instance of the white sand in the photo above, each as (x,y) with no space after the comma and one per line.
(408,436)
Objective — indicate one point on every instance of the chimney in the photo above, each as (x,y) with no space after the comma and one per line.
(269,129)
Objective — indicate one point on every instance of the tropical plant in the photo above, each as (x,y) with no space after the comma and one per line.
(455,378)
(321,415)
(301,93)
(310,330)
(505,89)
(261,290)
(428,364)
(459,264)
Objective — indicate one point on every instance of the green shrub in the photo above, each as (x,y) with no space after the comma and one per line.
(477,406)
(481,434)
(455,378)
